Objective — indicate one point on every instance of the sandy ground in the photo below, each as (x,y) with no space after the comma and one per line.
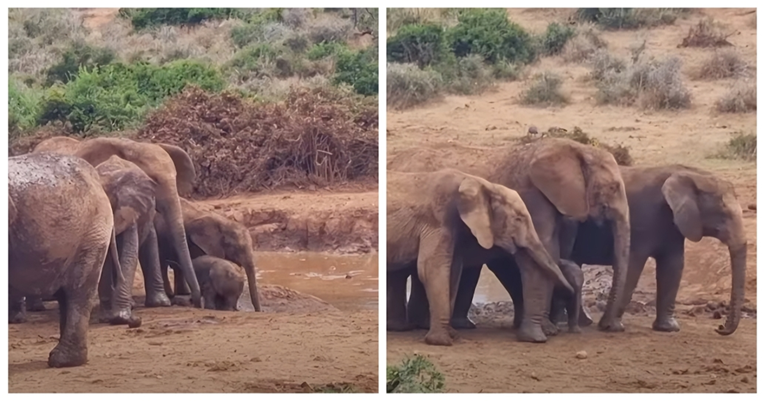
(461,130)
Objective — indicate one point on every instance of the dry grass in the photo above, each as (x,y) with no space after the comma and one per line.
(544,90)
(726,63)
(602,63)
(582,47)
(653,84)
(620,152)
(740,98)
(408,86)
(741,146)
(398,17)
(707,33)
(329,28)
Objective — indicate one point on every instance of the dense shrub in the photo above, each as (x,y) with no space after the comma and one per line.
(723,64)
(602,62)
(359,70)
(407,85)
(489,33)
(328,28)
(116,96)
(414,375)
(148,17)
(24,107)
(629,18)
(261,32)
(296,17)
(544,90)
(655,84)
(741,98)
(254,61)
(583,45)
(741,146)
(466,75)
(423,44)
(556,37)
(707,33)
(78,55)
(326,49)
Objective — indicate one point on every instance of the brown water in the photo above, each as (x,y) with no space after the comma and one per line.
(348,282)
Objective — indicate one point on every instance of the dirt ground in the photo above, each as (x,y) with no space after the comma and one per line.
(461,130)
(299,344)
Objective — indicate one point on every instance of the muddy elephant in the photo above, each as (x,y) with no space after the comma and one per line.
(61,228)
(669,204)
(222,282)
(211,234)
(131,193)
(446,219)
(169,166)
(572,302)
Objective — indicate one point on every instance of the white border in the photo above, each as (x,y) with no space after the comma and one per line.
(382,4)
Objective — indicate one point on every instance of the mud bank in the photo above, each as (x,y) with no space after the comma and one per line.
(314,221)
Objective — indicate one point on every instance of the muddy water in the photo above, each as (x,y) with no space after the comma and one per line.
(348,282)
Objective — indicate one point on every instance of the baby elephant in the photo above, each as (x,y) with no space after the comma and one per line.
(221,282)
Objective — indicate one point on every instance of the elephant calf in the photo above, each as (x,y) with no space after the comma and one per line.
(221,282)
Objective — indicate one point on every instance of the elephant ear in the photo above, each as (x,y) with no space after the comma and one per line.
(557,172)
(680,193)
(205,234)
(184,168)
(473,206)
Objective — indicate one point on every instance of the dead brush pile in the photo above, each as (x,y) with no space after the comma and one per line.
(620,152)
(318,136)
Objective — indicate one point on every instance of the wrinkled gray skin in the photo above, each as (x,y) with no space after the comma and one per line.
(444,220)
(131,193)
(669,204)
(222,282)
(60,230)
(211,234)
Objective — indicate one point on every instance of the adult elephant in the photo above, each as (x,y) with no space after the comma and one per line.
(132,195)
(169,166)
(557,179)
(60,230)
(210,234)
(443,220)
(669,204)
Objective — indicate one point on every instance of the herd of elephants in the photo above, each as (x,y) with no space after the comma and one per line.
(84,213)
(538,213)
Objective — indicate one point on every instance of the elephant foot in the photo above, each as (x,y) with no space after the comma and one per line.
(453,333)
(157,300)
(549,328)
(517,323)
(125,316)
(397,325)
(531,333)
(463,323)
(613,325)
(439,337)
(180,301)
(666,325)
(574,329)
(63,356)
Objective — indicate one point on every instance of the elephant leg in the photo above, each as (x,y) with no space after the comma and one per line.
(637,263)
(507,272)
(669,272)
(122,308)
(35,304)
(211,298)
(535,293)
(464,299)
(396,302)
(181,288)
(17,308)
(558,309)
(156,295)
(434,265)
(417,308)
(74,310)
(166,279)
(106,291)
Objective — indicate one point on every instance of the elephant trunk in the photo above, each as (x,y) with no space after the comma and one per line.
(543,258)
(170,207)
(249,268)
(621,232)
(738,271)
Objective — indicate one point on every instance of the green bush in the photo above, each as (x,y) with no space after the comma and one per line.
(629,18)
(423,44)
(24,107)
(116,96)
(263,28)
(741,146)
(78,55)
(466,75)
(326,49)
(414,375)
(556,37)
(142,18)
(407,85)
(254,61)
(359,70)
(489,33)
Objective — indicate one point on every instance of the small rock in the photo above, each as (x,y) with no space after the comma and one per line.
(348,275)
(534,376)
(581,355)
(745,380)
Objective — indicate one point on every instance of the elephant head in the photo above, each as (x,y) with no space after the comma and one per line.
(496,215)
(169,166)
(218,236)
(584,182)
(705,205)
(131,192)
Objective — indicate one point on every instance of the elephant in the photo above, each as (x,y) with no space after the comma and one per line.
(571,302)
(169,166)
(132,196)
(208,233)
(670,204)
(559,180)
(222,282)
(61,228)
(460,220)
